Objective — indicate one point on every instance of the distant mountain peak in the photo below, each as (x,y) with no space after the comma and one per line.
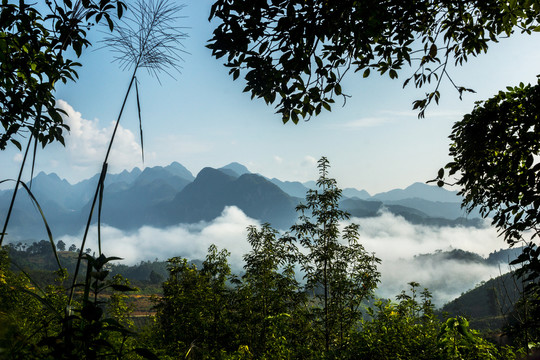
(236,168)
(311,184)
(421,191)
(42,176)
(354,193)
(209,173)
(180,170)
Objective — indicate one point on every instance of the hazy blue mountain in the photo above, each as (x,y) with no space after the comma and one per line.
(347,192)
(229,172)
(448,210)
(163,196)
(164,175)
(419,190)
(199,200)
(128,196)
(293,188)
(361,208)
(178,169)
(504,256)
(130,208)
(235,169)
(370,208)
(48,186)
(310,184)
(124,176)
(84,191)
(205,198)
(260,199)
(418,217)
(26,221)
(459,255)
(360,194)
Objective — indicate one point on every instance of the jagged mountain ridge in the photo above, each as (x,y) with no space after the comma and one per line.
(164,196)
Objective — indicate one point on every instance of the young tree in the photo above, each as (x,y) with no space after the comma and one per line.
(218,327)
(338,270)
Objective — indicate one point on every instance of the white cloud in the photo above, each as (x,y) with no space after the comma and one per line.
(390,237)
(396,242)
(187,240)
(18,158)
(278,160)
(309,161)
(87,142)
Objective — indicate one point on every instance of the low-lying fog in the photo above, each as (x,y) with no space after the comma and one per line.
(391,238)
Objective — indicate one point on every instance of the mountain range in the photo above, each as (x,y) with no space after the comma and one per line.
(165,196)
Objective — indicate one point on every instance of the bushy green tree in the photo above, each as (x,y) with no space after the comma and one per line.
(19,313)
(117,307)
(218,328)
(269,298)
(409,329)
(38,323)
(191,316)
(61,246)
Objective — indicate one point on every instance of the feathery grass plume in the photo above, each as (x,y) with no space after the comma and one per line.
(145,38)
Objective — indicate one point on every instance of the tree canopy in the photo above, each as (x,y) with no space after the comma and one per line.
(495,153)
(36,55)
(297,52)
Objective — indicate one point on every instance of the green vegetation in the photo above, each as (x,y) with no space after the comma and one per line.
(268,313)
(37,46)
(206,312)
(494,151)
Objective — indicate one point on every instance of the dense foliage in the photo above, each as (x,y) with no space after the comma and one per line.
(495,152)
(40,323)
(37,42)
(299,51)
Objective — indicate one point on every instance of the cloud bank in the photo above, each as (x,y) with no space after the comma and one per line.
(396,242)
(187,240)
(391,238)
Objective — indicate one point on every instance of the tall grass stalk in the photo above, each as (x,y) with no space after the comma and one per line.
(146,39)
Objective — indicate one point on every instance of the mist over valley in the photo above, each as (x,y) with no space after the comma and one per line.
(160,212)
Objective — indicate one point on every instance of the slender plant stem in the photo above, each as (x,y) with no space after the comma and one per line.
(12,203)
(101,182)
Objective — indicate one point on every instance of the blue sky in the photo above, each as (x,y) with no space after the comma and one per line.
(376,142)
